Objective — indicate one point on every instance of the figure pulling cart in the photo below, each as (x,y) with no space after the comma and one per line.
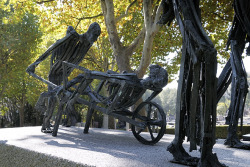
(148,120)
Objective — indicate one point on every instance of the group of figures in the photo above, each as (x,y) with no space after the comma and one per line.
(123,90)
(198,88)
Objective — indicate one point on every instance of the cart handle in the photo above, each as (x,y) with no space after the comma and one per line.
(102,74)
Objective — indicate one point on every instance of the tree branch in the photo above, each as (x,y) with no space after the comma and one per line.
(126,12)
(89,17)
(157,15)
(108,12)
(85,18)
(147,10)
(42,2)
(137,41)
(218,15)
(150,21)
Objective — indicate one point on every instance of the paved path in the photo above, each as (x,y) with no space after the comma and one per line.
(102,147)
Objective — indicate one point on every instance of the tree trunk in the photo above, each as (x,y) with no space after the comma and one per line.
(151,18)
(111,123)
(22,102)
(123,53)
(21,115)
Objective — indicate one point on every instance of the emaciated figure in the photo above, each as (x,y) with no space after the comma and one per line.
(234,72)
(125,90)
(196,94)
(72,48)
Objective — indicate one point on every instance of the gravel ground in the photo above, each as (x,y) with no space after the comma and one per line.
(101,147)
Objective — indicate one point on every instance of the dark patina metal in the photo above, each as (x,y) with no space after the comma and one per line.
(198,88)
(124,90)
(71,48)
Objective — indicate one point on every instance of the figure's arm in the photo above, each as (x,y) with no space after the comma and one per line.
(71,33)
(74,81)
(168,12)
(58,89)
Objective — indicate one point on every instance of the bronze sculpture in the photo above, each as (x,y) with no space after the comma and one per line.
(198,91)
(124,91)
(196,102)
(71,48)
(234,72)
(196,118)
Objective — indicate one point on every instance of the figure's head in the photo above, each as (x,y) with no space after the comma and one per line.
(93,32)
(154,70)
(70,30)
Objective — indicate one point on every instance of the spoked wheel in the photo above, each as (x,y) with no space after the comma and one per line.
(153,117)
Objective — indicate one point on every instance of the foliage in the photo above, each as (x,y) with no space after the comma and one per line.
(166,99)
(55,16)
(29,27)
(222,108)
(20,35)
(217,17)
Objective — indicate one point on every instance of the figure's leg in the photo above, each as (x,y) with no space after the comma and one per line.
(176,148)
(58,118)
(238,95)
(52,100)
(88,119)
(208,113)
(40,104)
(224,80)
(72,118)
(62,108)
(199,85)
(50,109)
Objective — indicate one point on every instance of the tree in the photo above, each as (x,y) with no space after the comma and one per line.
(132,26)
(131,39)
(19,40)
(222,108)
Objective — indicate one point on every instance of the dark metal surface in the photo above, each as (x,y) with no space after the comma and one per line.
(234,72)
(124,91)
(196,102)
(71,48)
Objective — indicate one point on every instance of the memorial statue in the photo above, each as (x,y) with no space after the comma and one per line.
(72,48)
(196,94)
(124,90)
(196,118)
(234,72)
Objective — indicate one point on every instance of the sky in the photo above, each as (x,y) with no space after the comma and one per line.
(247,63)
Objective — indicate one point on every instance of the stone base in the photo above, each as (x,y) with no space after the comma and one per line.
(100,147)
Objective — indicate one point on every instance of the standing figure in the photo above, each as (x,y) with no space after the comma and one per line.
(234,72)
(196,94)
(72,48)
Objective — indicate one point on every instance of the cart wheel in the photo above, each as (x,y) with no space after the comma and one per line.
(154,120)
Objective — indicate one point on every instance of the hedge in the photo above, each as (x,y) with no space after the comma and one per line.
(221,131)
